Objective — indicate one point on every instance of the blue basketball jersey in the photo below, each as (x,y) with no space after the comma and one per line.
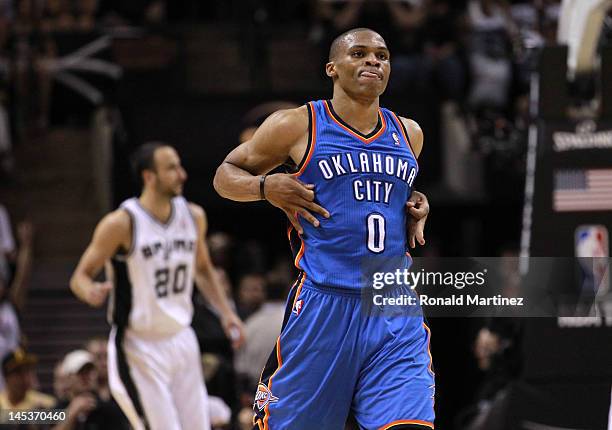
(364,181)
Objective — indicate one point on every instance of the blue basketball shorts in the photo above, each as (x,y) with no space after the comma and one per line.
(333,358)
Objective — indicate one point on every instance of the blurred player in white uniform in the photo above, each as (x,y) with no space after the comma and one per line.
(157,247)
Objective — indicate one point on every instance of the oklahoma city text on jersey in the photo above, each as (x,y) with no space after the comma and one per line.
(366,189)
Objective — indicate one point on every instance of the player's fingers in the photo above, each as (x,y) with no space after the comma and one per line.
(236,334)
(420,233)
(240,340)
(304,191)
(309,217)
(411,241)
(294,221)
(419,212)
(316,208)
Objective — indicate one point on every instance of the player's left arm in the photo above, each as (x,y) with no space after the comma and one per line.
(208,283)
(417,205)
(415,134)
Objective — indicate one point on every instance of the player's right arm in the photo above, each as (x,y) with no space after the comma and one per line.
(283,135)
(112,232)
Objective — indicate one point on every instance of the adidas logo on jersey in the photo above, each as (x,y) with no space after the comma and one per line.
(263,397)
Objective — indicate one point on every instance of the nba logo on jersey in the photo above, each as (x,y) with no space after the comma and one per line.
(264,396)
(593,250)
(298,307)
(396,139)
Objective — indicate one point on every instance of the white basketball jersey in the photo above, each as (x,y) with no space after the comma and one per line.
(152,295)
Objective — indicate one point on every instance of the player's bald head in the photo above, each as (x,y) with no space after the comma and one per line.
(344,40)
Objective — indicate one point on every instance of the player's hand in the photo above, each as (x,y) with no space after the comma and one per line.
(418,209)
(82,404)
(294,198)
(96,295)
(233,328)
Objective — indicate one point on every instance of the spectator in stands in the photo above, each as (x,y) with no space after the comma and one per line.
(25,16)
(18,368)
(497,349)
(6,157)
(58,16)
(282,272)
(217,352)
(261,329)
(86,15)
(137,12)
(251,294)
(7,10)
(443,68)
(85,409)
(97,347)
(219,377)
(391,16)
(13,293)
(492,30)
(399,21)
(22,29)
(61,383)
(7,243)
(257,115)
(220,245)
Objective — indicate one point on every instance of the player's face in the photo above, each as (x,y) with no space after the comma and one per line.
(363,65)
(169,173)
(98,349)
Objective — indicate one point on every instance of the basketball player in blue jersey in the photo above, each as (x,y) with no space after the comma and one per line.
(356,166)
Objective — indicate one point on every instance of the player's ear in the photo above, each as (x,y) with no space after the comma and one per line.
(330,69)
(147,176)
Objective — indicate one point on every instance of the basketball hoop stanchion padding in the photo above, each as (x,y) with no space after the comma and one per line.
(606,87)
(553,94)
(567,368)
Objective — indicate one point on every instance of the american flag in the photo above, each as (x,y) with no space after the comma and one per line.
(582,190)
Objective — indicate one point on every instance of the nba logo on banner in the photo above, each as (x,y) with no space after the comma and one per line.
(593,250)
(592,241)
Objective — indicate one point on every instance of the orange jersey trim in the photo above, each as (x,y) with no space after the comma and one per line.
(280,364)
(418,422)
(299,290)
(300,253)
(365,140)
(399,125)
(430,367)
(313,140)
